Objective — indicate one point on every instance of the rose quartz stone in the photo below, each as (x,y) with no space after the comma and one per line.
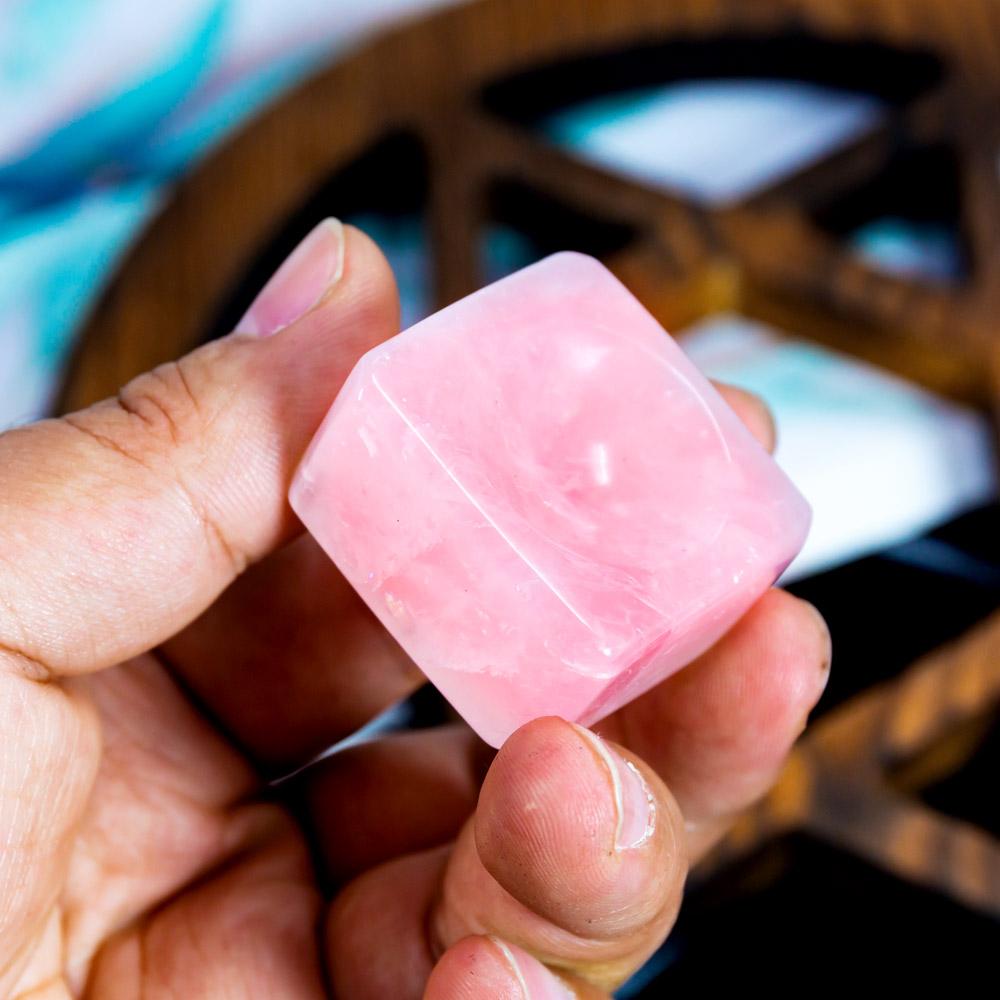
(543,500)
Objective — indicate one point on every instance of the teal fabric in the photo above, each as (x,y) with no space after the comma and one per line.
(73,198)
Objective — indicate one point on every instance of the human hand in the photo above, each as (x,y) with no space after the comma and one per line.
(167,644)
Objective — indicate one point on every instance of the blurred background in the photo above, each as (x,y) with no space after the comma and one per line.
(806,193)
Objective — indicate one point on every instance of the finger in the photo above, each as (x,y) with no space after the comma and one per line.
(753,411)
(51,747)
(121,523)
(170,802)
(248,931)
(486,968)
(407,792)
(290,660)
(375,940)
(575,854)
(719,730)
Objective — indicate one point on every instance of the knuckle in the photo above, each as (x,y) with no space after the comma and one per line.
(217,540)
(163,421)
(166,405)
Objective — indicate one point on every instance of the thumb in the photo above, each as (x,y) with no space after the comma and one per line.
(122,522)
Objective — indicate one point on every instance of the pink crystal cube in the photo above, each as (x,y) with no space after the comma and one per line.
(543,500)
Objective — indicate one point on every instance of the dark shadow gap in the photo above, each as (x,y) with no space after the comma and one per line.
(887,610)
(800,911)
(969,760)
(894,75)
(919,192)
(550,225)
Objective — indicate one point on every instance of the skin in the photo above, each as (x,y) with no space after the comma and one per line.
(169,641)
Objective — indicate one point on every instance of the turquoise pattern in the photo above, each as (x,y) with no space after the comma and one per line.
(72,200)
(106,137)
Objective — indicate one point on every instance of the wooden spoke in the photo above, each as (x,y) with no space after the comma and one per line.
(980,164)
(456,206)
(843,782)
(518,154)
(927,119)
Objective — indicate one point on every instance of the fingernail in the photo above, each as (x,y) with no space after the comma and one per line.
(302,281)
(634,802)
(536,982)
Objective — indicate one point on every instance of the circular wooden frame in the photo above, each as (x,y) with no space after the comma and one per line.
(763,256)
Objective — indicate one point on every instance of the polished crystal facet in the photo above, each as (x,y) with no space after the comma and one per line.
(543,500)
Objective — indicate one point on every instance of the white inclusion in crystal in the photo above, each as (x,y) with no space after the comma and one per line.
(306,472)
(366,440)
(600,463)
(589,356)
(396,607)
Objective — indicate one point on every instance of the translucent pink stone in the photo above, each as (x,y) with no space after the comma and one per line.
(543,500)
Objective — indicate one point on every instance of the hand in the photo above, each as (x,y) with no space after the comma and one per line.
(166,644)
